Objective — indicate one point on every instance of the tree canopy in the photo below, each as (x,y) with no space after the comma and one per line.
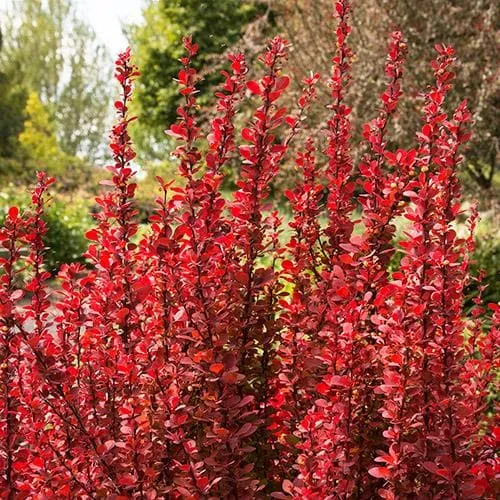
(49,50)
(215,25)
(11,112)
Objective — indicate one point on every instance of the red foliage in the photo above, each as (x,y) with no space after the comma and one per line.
(207,359)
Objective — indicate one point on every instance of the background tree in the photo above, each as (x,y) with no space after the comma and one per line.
(39,149)
(57,55)
(12,106)
(38,140)
(216,25)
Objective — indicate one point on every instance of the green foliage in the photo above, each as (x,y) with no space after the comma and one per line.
(487,258)
(55,94)
(67,219)
(148,189)
(66,235)
(12,104)
(37,148)
(215,25)
(38,140)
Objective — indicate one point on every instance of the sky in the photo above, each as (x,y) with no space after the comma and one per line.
(107,18)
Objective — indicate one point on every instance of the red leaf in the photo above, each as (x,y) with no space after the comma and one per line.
(432,467)
(92,235)
(13,212)
(216,368)
(254,87)
(343,292)
(19,466)
(282,83)
(248,134)
(127,480)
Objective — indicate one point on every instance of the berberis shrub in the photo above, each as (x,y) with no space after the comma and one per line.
(208,359)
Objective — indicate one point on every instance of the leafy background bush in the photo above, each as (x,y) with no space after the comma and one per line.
(487,259)
(67,220)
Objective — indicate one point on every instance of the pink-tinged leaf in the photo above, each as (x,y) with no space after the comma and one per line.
(340,381)
(380,472)
(16,295)
(109,445)
(287,486)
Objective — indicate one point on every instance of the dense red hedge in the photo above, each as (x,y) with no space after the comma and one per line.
(207,359)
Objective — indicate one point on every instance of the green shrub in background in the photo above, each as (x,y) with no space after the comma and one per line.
(68,219)
(65,239)
(486,258)
(148,189)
